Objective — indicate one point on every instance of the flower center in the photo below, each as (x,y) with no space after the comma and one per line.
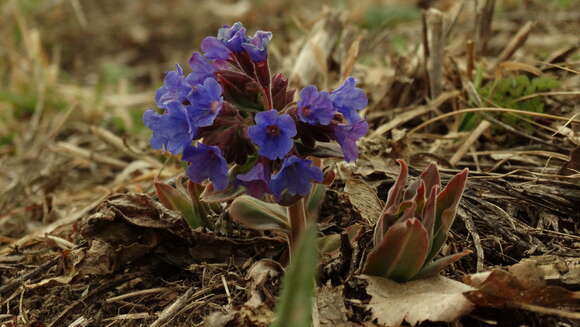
(306,111)
(273,130)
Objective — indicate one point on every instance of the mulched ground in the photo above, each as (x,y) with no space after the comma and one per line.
(84,241)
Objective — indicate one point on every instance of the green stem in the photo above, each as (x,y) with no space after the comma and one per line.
(297,217)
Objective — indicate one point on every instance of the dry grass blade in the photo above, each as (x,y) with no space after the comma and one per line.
(516,42)
(80,153)
(316,50)
(411,114)
(488,109)
(475,134)
(49,228)
(573,93)
(170,311)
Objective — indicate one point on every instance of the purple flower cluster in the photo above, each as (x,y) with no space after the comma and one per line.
(230,110)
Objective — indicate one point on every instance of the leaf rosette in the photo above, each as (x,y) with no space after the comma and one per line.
(413,226)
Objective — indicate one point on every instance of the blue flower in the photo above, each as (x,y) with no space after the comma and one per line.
(295,176)
(349,99)
(174,88)
(173,130)
(347,135)
(233,36)
(206,102)
(256,181)
(201,69)
(206,162)
(228,40)
(215,49)
(315,107)
(257,46)
(273,134)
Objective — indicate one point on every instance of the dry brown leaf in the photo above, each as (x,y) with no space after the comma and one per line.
(331,308)
(364,199)
(557,270)
(500,288)
(318,45)
(434,299)
(259,274)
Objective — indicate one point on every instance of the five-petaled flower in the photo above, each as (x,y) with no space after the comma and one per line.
(295,177)
(206,161)
(256,181)
(257,46)
(206,102)
(174,88)
(273,134)
(172,131)
(347,135)
(315,107)
(349,99)
(201,69)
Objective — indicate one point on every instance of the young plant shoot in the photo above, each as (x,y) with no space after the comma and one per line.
(414,225)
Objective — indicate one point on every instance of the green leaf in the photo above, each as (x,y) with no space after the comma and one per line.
(433,268)
(294,307)
(401,253)
(259,215)
(231,192)
(177,200)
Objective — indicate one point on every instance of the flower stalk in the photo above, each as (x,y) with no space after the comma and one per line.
(297,218)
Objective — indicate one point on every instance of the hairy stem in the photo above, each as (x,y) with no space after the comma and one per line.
(297,217)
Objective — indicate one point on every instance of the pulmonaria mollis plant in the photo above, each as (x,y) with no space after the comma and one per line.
(238,126)
(414,226)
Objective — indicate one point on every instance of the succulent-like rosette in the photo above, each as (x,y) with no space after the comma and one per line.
(414,225)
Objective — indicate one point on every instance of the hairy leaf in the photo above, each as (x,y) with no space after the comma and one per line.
(259,215)
(231,192)
(447,202)
(395,195)
(429,213)
(433,268)
(394,198)
(401,253)
(431,178)
(174,199)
